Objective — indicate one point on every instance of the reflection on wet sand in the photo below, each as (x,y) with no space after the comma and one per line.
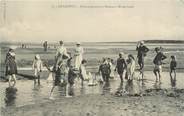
(173,82)
(157,85)
(106,88)
(10,96)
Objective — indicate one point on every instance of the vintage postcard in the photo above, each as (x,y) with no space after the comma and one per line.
(91,57)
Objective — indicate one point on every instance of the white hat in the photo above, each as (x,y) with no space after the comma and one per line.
(12,53)
(142,42)
(78,43)
(37,56)
(122,53)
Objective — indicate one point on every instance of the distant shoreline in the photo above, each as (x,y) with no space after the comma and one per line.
(131,42)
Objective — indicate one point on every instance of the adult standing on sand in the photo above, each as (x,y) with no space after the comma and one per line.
(11,66)
(142,50)
(78,55)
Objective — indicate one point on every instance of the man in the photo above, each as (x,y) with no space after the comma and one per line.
(142,50)
(120,66)
(158,63)
(78,55)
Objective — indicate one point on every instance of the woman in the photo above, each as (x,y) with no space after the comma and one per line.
(78,56)
(130,66)
(11,67)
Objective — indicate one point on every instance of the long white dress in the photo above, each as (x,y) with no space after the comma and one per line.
(78,57)
(131,69)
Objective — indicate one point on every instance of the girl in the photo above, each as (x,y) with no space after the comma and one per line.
(173,65)
(11,66)
(130,66)
(37,67)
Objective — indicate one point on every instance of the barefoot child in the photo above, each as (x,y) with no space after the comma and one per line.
(105,70)
(158,63)
(37,67)
(60,75)
(173,65)
(120,66)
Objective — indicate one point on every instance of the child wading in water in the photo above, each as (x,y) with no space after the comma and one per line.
(105,70)
(173,65)
(37,67)
(120,66)
(158,63)
(60,75)
(130,67)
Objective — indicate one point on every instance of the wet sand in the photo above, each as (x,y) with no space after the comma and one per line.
(103,105)
(137,98)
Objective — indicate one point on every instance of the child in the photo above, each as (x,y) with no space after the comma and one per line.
(105,70)
(120,66)
(60,75)
(158,63)
(130,67)
(11,66)
(173,65)
(37,67)
(82,71)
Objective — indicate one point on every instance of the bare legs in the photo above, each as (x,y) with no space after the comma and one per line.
(157,75)
(12,78)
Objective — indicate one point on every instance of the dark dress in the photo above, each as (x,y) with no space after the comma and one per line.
(121,65)
(11,66)
(173,65)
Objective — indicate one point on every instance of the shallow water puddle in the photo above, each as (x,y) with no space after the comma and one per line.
(26,93)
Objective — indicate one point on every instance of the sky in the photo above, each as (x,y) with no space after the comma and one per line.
(40,20)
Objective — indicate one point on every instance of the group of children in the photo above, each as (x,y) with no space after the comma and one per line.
(122,66)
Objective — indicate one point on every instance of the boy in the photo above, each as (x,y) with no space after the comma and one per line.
(105,70)
(158,63)
(120,66)
(173,65)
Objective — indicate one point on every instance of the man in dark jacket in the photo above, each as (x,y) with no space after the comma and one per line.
(142,50)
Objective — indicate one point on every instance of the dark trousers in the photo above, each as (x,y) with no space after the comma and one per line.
(106,77)
(38,77)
